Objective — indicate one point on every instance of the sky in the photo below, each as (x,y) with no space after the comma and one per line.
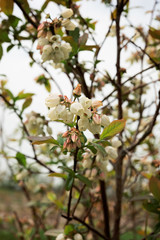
(15,64)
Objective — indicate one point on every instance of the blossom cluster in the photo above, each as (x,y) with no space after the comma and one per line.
(53,48)
(36,123)
(51,45)
(85,110)
(77,236)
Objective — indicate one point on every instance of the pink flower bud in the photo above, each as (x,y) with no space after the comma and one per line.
(74,138)
(96,118)
(77,90)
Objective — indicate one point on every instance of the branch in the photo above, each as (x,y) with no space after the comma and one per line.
(26,131)
(35,24)
(105,209)
(148,131)
(87,225)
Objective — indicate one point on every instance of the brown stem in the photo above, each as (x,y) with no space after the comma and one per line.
(119,163)
(105,209)
(87,225)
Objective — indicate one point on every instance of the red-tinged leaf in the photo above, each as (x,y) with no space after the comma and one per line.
(83,39)
(60,175)
(154,186)
(114,128)
(6,6)
(41,140)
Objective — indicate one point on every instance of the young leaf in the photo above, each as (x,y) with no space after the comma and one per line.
(22,95)
(21,159)
(66,169)
(68,229)
(154,186)
(114,128)
(27,103)
(60,175)
(41,140)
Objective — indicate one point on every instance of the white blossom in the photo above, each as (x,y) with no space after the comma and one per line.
(70,26)
(42,42)
(52,100)
(76,108)
(47,53)
(66,49)
(58,56)
(105,120)
(116,143)
(60,111)
(61,236)
(78,236)
(68,117)
(86,102)
(52,114)
(112,152)
(67,13)
(83,124)
(87,163)
(94,128)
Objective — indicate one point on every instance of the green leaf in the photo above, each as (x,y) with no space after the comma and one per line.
(93,149)
(53,149)
(13,21)
(1,52)
(6,6)
(60,140)
(69,182)
(22,95)
(27,103)
(66,169)
(41,140)
(75,34)
(154,33)
(152,206)
(114,128)
(68,229)
(87,47)
(10,47)
(47,86)
(4,36)
(154,186)
(100,148)
(60,175)
(21,159)
(9,93)
(84,180)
